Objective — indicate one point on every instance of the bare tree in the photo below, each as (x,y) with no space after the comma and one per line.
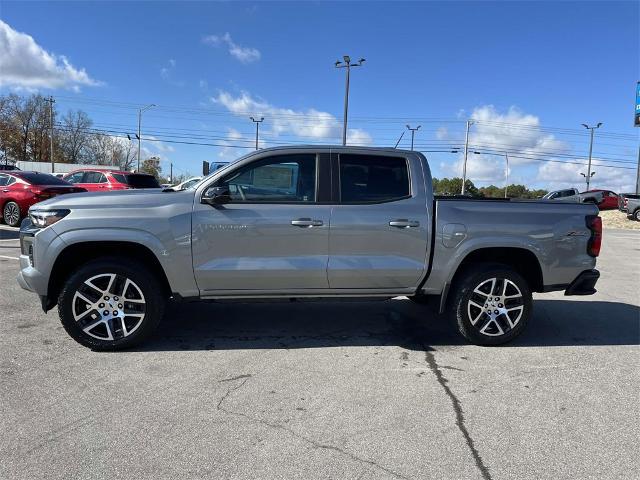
(100,150)
(125,153)
(74,135)
(24,114)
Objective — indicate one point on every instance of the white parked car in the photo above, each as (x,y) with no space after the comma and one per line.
(186,184)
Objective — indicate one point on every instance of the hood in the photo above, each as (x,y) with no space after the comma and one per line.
(118,199)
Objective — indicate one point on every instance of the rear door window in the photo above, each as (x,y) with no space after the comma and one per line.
(373,179)
(94,177)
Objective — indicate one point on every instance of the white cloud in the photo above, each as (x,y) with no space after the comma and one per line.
(555,176)
(26,65)
(167,73)
(310,124)
(512,131)
(153,146)
(231,151)
(243,54)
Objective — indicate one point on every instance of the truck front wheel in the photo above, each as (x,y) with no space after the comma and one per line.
(491,304)
(111,304)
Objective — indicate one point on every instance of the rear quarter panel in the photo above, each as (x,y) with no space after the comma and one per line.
(556,233)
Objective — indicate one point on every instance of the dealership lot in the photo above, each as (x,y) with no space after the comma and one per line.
(328,390)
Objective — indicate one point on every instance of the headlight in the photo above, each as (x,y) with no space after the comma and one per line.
(45,218)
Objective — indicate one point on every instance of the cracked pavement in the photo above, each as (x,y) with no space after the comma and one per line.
(366,390)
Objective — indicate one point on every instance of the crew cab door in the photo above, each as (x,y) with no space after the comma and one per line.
(380,227)
(272,236)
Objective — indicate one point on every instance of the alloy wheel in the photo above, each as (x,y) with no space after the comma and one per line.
(11,213)
(109,306)
(495,306)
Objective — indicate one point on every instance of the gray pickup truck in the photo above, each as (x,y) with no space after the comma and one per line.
(574,195)
(629,203)
(314,222)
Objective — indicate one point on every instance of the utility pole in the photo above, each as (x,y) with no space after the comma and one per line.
(257,122)
(506,175)
(346,63)
(140,110)
(591,129)
(466,151)
(51,102)
(171,172)
(413,131)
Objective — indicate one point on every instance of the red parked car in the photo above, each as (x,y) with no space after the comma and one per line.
(609,199)
(19,190)
(105,180)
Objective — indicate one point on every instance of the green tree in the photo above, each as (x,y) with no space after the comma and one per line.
(453,186)
(152,166)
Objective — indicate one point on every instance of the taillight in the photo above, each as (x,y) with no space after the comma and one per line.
(594,223)
(625,202)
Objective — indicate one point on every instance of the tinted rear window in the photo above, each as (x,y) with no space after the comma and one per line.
(371,178)
(140,181)
(41,179)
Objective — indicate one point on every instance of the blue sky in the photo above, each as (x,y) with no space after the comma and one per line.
(528,73)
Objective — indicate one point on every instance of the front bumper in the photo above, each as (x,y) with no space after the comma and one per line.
(584,283)
(29,277)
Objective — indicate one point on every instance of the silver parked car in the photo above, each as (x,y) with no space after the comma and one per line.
(304,222)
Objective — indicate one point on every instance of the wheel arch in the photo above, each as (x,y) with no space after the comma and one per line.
(522,260)
(76,254)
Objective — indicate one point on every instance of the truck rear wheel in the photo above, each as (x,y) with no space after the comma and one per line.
(111,304)
(491,304)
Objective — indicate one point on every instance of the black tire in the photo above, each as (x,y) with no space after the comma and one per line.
(484,329)
(143,289)
(636,215)
(8,214)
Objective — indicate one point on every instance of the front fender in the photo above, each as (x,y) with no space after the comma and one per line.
(173,254)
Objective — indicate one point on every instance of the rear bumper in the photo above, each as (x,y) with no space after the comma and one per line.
(584,283)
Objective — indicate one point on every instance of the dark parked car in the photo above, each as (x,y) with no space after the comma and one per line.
(94,180)
(4,166)
(19,190)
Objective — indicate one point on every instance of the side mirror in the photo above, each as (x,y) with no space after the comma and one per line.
(216,196)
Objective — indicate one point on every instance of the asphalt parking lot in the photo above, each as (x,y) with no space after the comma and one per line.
(328,390)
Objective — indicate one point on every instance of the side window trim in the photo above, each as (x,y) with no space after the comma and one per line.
(247,167)
(336,164)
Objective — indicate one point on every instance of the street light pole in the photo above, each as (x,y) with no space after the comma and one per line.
(140,110)
(413,131)
(506,175)
(346,63)
(257,122)
(591,129)
(466,151)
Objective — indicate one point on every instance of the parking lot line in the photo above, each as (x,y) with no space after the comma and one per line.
(12,258)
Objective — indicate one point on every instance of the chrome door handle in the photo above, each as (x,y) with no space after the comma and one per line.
(306,222)
(404,223)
